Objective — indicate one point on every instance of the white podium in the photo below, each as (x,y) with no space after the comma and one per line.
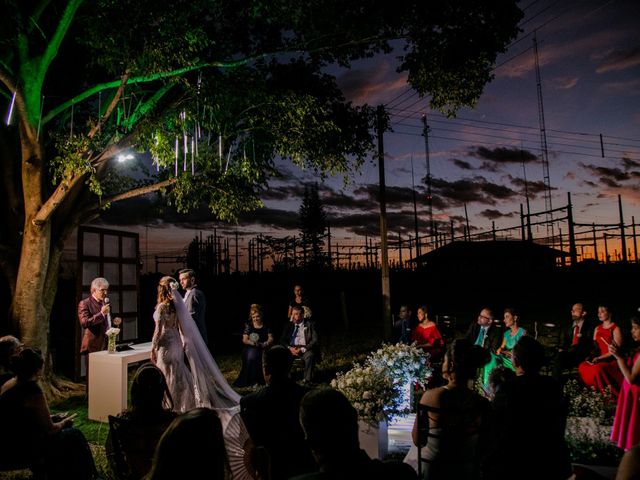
(108,376)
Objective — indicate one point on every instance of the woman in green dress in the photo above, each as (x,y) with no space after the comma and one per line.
(502,356)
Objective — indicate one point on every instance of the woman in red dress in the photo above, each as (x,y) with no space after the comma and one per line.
(601,369)
(626,425)
(427,336)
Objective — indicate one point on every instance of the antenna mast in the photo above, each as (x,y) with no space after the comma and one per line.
(543,147)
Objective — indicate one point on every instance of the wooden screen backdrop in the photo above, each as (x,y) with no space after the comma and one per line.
(114,255)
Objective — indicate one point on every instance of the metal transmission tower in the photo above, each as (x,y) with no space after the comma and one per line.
(543,146)
(425,133)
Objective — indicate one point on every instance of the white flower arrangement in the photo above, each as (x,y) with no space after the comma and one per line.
(371,392)
(375,389)
(113,332)
(112,335)
(403,363)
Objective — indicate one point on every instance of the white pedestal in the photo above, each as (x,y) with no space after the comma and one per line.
(108,375)
(374,440)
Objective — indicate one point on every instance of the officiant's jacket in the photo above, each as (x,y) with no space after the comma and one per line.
(94,325)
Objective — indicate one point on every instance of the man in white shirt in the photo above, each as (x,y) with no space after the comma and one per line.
(301,338)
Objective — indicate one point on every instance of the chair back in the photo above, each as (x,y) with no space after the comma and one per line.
(116,448)
(133,444)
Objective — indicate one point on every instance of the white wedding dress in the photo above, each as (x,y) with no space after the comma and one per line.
(200,385)
(167,343)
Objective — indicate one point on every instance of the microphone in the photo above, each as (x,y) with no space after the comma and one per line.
(106,302)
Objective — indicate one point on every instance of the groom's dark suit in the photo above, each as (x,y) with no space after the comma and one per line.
(196,303)
(311,352)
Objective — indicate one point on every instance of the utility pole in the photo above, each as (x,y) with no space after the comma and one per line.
(573,254)
(623,240)
(415,211)
(425,133)
(386,284)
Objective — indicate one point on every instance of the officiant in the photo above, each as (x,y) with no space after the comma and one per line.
(94,315)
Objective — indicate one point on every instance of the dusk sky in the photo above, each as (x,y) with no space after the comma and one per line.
(589,54)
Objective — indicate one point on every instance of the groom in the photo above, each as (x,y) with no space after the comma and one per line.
(195,300)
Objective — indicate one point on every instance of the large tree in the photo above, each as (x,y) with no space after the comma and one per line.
(242,81)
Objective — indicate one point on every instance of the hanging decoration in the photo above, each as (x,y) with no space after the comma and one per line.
(13,101)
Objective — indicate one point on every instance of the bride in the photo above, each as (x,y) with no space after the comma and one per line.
(176,336)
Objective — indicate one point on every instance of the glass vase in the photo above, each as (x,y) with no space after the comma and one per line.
(111,346)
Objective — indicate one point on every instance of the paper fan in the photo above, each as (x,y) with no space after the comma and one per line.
(236,439)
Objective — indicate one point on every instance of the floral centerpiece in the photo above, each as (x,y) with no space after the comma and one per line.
(403,363)
(112,335)
(376,388)
(371,391)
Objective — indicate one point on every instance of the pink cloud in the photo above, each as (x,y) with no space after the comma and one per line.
(616,60)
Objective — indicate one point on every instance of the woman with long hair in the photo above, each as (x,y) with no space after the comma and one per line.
(600,370)
(626,425)
(450,433)
(167,349)
(176,336)
(192,447)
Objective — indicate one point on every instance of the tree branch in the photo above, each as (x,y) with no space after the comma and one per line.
(136,192)
(111,107)
(56,199)
(144,107)
(63,27)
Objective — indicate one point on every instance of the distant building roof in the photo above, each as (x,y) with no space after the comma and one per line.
(496,254)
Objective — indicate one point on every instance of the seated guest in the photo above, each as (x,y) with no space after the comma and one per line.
(626,425)
(576,341)
(485,333)
(529,419)
(299,300)
(142,424)
(601,369)
(301,337)
(427,336)
(271,417)
(9,345)
(330,424)
(192,445)
(402,327)
(512,334)
(458,418)
(48,444)
(256,338)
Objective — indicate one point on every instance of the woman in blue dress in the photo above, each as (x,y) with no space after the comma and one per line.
(256,338)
